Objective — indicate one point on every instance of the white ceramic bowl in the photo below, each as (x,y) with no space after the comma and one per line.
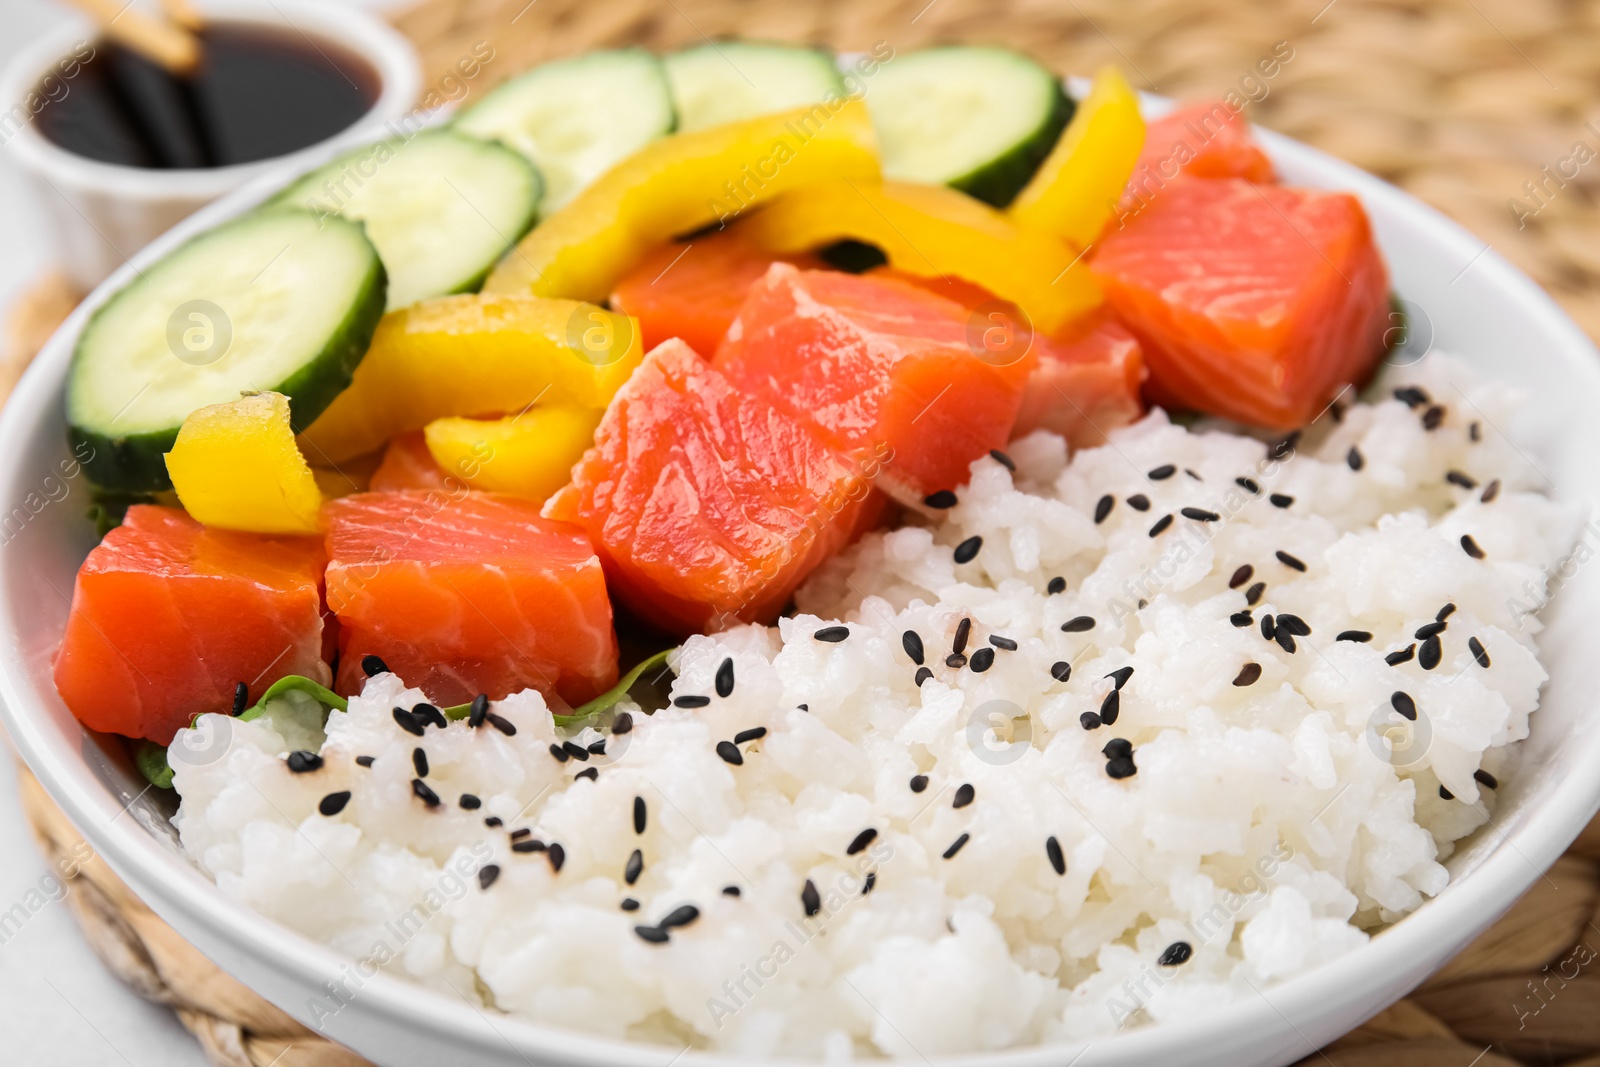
(1478,306)
(101,213)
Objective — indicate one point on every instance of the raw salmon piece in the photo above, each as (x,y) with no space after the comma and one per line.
(708,505)
(1204,140)
(693,289)
(884,371)
(1085,384)
(169,616)
(468,593)
(1255,302)
(407,464)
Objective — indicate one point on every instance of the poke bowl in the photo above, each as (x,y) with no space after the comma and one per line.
(853,696)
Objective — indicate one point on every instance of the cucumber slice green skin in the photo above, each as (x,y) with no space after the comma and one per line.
(998,182)
(136,463)
(378,185)
(717,83)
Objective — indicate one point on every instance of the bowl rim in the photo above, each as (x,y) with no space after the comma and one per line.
(171,884)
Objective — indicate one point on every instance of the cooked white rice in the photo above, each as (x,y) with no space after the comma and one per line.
(1268,826)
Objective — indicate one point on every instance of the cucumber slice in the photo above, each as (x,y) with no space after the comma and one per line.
(441,208)
(275,300)
(577,117)
(978,119)
(728,81)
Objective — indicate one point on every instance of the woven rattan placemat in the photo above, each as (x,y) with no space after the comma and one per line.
(1480,107)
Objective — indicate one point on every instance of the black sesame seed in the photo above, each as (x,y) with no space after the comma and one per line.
(1004,643)
(419,760)
(241,698)
(1465,481)
(408,722)
(501,723)
(1249,674)
(469,802)
(1161,525)
(622,724)
(832,634)
(868,882)
(1294,624)
(1402,703)
(487,874)
(423,793)
(1121,767)
(1267,627)
(724,680)
(1428,630)
(634,867)
(520,833)
(1411,396)
(1433,417)
(1445,794)
(1475,432)
(1354,459)
(941,500)
(365,761)
(911,641)
(1241,619)
(1281,500)
(981,660)
(597,748)
(1175,954)
(919,782)
(1484,778)
(810,899)
(1284,638)
(629,904)
(1429,655)
(576,751)
(1061,670)
(965,794)
(493,821)
(641,815)
(1490,491)
(653,934)
(967,551)
(1162,473)
(591,773)
(1056,585)
(1117,747)
(1240,576)
(1139,502)
(955,660)
(1445,612)
(754,733)
(860,841)
(1199,514)
(480,709)
(429,715)
(963,632)
(1111,707)
(1193,474)
(559,753)
(1479,653)
(1290,561)
(731,891)
(372,665)
(1470,547)
(558,856)
(1103,508)
(1359,636)
(956,846)
(303,762)
(803,707)
(1404,655)
(1078,624)
(1002,459)
(682,915)
(691,700)
(1052,849)
(527,845)
(730,753)
(1120,676)
(1253,594)
(922,675)
(1089,721)
(334,803)
(1248,483)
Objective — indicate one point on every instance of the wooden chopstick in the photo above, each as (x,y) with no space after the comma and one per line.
(171,45)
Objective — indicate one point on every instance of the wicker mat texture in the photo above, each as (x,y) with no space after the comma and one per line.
(1481,107)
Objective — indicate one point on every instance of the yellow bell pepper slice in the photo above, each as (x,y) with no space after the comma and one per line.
(683,183)
(934,231)
(475,355)
(529,454)
(1074,192)
(235,466)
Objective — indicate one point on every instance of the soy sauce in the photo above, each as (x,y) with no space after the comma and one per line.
(257,93)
